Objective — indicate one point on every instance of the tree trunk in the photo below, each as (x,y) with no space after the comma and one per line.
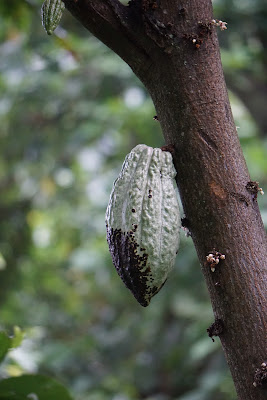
(172,47)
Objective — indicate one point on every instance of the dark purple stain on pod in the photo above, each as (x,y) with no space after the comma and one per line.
(132,267)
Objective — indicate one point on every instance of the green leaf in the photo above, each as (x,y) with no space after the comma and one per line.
(32,387)
(5,343)
(11,396)
(17,338)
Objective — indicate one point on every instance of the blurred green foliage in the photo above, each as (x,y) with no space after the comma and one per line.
(25,387)
(70,111)
(34,387)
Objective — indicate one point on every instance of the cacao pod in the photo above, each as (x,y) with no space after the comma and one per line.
(51,12)
(143,221)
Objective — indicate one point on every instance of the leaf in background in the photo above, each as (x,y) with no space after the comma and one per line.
(32,387)
(17,338)
(5,343)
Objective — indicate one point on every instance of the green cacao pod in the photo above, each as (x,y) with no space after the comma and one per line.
(51,11)
(143,221)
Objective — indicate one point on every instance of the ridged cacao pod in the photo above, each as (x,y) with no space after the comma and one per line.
(51,12)
(143,221)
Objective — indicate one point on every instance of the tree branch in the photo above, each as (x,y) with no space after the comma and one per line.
(116,25)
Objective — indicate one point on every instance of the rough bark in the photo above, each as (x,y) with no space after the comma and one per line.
(173,48)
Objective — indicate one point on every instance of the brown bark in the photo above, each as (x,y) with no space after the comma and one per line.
(172,47)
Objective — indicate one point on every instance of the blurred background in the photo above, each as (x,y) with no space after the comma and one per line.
(70,110)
